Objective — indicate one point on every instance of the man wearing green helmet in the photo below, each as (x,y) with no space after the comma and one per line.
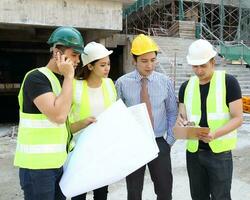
(67,36)
(45,99)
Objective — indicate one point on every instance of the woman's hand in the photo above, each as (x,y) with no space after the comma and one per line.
(88,121)
(77,126)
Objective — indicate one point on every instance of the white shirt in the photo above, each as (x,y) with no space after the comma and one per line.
(96,101)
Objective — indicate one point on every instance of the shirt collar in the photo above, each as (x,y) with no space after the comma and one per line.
(138,77)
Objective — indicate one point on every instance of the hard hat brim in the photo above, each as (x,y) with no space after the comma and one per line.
(76,49)
(143,52)
(79,50)
(95,58)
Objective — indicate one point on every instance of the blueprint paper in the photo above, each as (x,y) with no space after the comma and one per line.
(119,143)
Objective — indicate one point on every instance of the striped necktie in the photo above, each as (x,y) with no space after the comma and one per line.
(145,98)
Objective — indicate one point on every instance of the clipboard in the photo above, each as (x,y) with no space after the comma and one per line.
(189,132)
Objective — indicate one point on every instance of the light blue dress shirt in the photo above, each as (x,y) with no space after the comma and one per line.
(162,98)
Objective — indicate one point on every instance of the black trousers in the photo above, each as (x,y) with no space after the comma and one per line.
(160,172)
(210,175)
(99,194)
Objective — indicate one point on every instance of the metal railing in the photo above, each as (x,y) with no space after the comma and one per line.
(234,50)
(137,5)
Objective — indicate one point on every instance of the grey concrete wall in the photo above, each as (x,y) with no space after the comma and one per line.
(89,14)
(128,65)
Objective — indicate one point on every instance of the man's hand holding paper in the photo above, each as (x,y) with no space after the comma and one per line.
(206,137)
(185,129)
(190,132)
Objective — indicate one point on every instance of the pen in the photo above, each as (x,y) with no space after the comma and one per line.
(184,124)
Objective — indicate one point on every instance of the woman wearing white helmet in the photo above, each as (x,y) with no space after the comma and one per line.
(97,92)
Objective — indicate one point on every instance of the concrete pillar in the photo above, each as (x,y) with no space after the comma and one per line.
(88,14)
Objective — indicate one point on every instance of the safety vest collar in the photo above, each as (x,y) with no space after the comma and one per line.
(80,89)
(56,86)
(192,90)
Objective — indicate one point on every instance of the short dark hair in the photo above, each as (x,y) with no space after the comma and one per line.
(136,56)
(61,48)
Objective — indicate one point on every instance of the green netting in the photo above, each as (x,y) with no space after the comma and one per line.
(246,54)
(181,10)
(232,52)
(235,52)
(198,31)
(202,12)
(140,3)
(137,5)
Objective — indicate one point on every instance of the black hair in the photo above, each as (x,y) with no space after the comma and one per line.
(61,48)
(136,56)
(82,73)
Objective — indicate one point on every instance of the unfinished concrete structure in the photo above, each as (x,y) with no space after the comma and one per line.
(175,24)
(227,20)
(25,26)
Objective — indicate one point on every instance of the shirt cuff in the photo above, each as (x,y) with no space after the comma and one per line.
(170,140)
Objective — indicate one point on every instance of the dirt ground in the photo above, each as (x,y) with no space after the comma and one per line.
(9,181)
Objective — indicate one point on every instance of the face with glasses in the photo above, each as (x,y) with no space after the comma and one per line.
(145,63)
(205,71)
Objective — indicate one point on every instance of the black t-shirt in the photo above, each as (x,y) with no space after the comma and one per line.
(36,84)
(233,92)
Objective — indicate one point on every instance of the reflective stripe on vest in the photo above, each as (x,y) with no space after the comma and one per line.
(111,90)
(38,149)
(41,144)
(217,111)
(81,107)
(36,123)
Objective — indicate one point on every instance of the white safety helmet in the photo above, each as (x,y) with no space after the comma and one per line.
(94,51)
(200,52)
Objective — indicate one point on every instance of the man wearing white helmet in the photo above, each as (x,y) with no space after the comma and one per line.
(210,99)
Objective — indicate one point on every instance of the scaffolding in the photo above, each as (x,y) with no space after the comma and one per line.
(227,20)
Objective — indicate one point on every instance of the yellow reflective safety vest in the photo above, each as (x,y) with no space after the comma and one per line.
(217,111)
(81,105)
(41,144)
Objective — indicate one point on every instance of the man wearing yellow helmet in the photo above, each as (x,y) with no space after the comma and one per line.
(45,99)
(144,85)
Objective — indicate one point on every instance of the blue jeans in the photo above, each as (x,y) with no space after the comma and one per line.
(41,184)
(210,175)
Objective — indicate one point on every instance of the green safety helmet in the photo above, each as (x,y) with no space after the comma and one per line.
(67,36)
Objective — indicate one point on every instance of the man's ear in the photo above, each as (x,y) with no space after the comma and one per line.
(134,62)
(213,61)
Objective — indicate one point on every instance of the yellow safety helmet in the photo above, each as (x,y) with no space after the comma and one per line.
(143,44)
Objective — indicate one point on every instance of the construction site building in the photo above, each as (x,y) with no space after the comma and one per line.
(25,26)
